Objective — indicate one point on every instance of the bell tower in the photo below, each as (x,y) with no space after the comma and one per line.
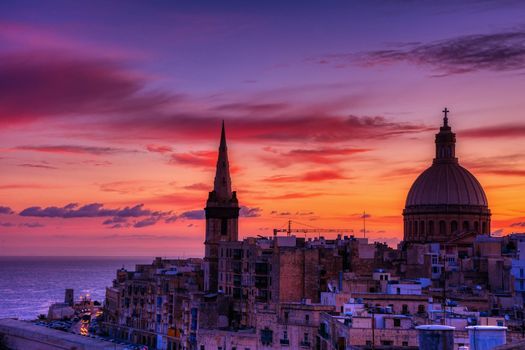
(222,214)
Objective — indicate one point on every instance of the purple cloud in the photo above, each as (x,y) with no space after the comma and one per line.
(5,210)
(87,211)
(193,215)
(247,212)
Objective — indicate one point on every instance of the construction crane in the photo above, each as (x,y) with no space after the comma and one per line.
(289,230)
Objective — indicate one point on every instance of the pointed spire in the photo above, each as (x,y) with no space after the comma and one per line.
(222,185)
(223,137)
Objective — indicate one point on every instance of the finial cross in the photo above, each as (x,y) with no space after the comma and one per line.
(445,119)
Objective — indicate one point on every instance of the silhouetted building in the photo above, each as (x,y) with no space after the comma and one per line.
(222,214)
(446,201)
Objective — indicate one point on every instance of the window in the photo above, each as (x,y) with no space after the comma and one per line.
(500,323)
(405,343)
(442,228)
(431,227)
(476,226)
(422,228)
(421,309)
(415,227)
(307,319)
(404,309)
(266,336)
(397,322)
(466,226)
(484,227)
(202,347)
(224,227)
(286,316)
(285,335)
(453,226)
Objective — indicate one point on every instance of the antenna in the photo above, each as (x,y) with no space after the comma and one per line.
(364,224)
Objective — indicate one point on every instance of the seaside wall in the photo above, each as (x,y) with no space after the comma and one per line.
(22,335)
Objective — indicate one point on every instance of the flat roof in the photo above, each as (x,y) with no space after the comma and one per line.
(435,327)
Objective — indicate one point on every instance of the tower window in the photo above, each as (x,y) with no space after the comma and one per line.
(224,227)
(484,227)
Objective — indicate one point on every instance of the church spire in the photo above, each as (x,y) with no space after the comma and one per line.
(445,142)
(222,185)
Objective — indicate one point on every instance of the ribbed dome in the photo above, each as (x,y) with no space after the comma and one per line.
(446,184)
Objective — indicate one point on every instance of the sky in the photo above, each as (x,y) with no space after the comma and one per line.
(110,115)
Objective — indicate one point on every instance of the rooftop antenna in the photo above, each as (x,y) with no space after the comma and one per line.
(364,224)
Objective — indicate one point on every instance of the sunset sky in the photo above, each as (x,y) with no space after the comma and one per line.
(110,115)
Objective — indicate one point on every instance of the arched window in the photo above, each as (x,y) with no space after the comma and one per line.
(431,227)
(409,228)
(421,227)
(442,228)
(484,227)
(476,226)
(466,226)
(415,227)
(453,226)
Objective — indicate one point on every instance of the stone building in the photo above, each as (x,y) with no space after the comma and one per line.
(222,215)
(446,200)
(286,292)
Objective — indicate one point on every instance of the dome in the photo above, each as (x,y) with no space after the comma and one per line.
(446,184)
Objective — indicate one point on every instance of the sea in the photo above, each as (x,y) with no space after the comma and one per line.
(28,285)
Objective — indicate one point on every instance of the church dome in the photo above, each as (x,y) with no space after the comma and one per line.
(446,200)
(446,183)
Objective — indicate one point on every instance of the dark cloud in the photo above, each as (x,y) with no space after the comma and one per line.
(310,176)
(147,222)
(31,225)
(5,210)
(503,165)
(518,224)
(118,106)
(506,130)
(75,149)
(204,159)
(292,195)
(198,187)
(38,166)
(7,224)
(503,51)
(87,211)
(253,108)
(247,212)
(59,86)
(193,215)
(159,149)
(115,220)
(324,155)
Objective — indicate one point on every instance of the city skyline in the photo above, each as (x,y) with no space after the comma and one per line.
(115,153)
